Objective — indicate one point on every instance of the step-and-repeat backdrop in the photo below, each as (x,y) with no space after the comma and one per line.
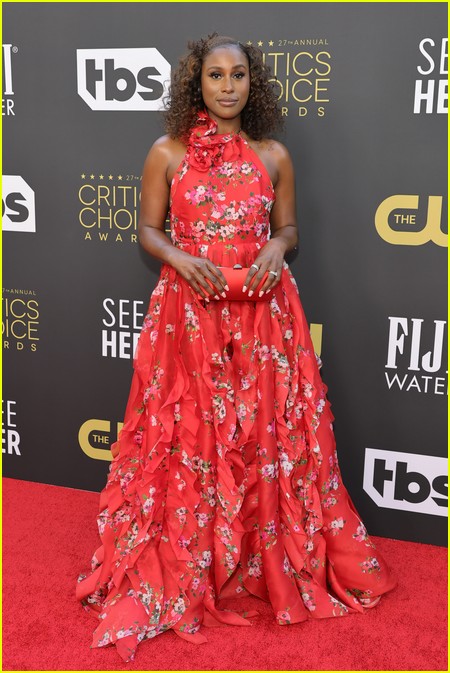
(363,88)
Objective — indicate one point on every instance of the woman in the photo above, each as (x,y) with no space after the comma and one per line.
(225,480)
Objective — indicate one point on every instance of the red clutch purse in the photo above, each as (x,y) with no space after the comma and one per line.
(235,278)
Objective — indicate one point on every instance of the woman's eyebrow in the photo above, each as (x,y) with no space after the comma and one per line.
(219,67)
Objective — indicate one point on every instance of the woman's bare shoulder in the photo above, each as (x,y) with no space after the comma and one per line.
(275,148)
(274,155)
(167,146)
(164,156)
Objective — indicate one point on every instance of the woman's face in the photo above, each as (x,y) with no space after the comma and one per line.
(225,81)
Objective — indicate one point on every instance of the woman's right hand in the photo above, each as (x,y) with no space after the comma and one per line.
(197,271)
(159,168)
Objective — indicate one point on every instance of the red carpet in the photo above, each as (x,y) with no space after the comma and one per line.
(50,533)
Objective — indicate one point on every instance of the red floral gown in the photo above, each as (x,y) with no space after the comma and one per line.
(225,479)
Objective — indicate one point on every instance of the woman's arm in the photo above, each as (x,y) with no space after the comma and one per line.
(283,220)
(155,192)
(162,160)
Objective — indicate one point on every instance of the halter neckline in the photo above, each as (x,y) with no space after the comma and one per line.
(207,126)
(206,147)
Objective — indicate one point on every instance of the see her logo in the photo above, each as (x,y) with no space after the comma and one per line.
(431,92)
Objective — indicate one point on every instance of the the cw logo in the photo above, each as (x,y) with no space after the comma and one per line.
(315,330)
(430,232)
(95,431)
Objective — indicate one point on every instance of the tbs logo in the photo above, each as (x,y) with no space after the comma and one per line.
(407,481)
(122,79)
(18,212)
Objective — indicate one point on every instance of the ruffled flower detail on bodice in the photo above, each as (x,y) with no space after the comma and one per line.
(208,148)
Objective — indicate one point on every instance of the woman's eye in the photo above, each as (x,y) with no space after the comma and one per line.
(216,75)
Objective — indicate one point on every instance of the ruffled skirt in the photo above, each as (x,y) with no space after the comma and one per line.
(225,479)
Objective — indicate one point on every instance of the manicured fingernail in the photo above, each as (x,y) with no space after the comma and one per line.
(227,288)
(250,293)
(268,290)
(216,296)
(261,292)
(224,295)
(244,289)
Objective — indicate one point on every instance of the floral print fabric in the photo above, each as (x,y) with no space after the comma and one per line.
(225,479)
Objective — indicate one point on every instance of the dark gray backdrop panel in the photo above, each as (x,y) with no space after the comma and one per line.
(368,146)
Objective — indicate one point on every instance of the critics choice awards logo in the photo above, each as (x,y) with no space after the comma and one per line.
(20,320)
(108,207)
(399,221)
(431,87)
(121,325)
(8,90)
(415,356)
(10,433)
(122,79)
(301,73)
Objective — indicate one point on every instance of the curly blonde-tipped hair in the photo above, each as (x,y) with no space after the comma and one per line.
(260,116)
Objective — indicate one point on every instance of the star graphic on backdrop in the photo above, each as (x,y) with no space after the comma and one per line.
(249,43)
(101,177)
(119,177)
(270,43)
(110,177)
(260,44)
(92,176)
(83,175)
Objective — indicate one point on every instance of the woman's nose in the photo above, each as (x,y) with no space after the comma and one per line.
(227,84)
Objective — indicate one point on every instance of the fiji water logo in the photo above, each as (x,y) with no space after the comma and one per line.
(7,80)
(415,355)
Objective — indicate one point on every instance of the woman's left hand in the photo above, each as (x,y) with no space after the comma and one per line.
(270,258)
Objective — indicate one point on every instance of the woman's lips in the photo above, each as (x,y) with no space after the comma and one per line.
(227,103)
